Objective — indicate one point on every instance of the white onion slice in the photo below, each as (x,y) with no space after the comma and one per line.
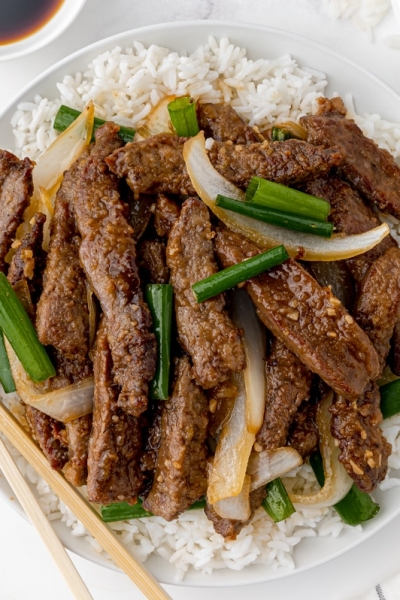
(337,481)
(157,121)
(65,404)
(267,465)
(208,183)
(245,317)
(236,508)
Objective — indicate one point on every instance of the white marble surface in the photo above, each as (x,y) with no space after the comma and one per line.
(26,571)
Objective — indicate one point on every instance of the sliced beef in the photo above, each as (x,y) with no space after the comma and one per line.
(308,319)
(140,211)
(167,211)
(364,451)
(377,308)
(108,256)
(370,169)
(181,472)
(148,461)
(394,355)
(288,383)
(337,275)
(115,446)
(303,433)
(16,188)
(230,529)
(153,261)
(78,433)
(50,435)
(156,164)
(205,330)
(221,122)
(62,318)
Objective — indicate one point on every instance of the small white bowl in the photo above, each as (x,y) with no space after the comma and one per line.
(54,27)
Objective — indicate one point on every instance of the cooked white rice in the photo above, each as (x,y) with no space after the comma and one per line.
(124,86)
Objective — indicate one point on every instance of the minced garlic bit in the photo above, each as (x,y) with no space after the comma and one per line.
(16,244)
(349,319)
(294,315)
(257,447)
(293,303)
(331,312)
(331,334)
(212,407)
(356,468)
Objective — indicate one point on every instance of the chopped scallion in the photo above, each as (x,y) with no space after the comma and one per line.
(182,112)
(6,377)
(390,399)
(280,197)
(280,135)
(277,503)
(228,278)
(21,334)
(159,297)
(276,217)
(123,511)
(66,115)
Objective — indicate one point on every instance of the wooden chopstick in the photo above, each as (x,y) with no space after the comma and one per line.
(14,431)
(42,525)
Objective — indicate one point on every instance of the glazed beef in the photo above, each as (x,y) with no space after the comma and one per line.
(153,440)
(108,256)
(288,383)
(153,261)
(371,170)
(78,433)
(205,330)
(16,188)
(167,211)
(62,318)
(49,434)
(157,165)
(363,449)
(221,122)
(308,319)
(230,529)
(181,472)
(377,308)
(303,433)
(115,446)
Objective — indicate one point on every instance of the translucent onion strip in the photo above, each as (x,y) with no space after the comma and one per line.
(158,120)
(268,465)
(208,183)
(236,508)
(65,404)
(337,481)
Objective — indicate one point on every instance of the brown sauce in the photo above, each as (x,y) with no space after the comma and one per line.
(22,18)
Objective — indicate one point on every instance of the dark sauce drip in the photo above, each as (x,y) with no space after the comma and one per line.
(22,18)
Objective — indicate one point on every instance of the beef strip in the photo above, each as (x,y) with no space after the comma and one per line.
(16,188)
(108,256)
(62,318)
(288,383)
(308,319)
(167,211)
(370,169)
(180,478)
(221,122)
(303,433)
(148,461)
(394,354)
(377,308)
(115,445)
(152,261)
(156,164)
(230,529)
(78,433)
(49,434)
(364,451)
(205,330)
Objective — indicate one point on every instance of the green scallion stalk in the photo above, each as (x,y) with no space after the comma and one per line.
(277,503)
(6,377)
(21,334)
(390,399)
(276,217)
(280,135)
(123,511)
(232,276)
(66,115)
(159,297)
(280,197)
(182,112)
(356,507)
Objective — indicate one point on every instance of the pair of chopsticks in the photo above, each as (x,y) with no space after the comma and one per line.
(16,434)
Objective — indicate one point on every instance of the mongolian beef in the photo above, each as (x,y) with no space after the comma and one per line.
(127,216)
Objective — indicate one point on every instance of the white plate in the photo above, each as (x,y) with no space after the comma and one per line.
(344,76)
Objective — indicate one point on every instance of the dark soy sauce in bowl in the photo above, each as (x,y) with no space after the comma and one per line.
(21,18)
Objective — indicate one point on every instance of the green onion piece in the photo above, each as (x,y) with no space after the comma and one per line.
(356,507)
(159,297)
(123,511)
(6,377)
(182,112)
(277,503)
(280,135)
(280,197)
(21,334)
(228,278)
(276,217)
(390,399)
(66,115)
